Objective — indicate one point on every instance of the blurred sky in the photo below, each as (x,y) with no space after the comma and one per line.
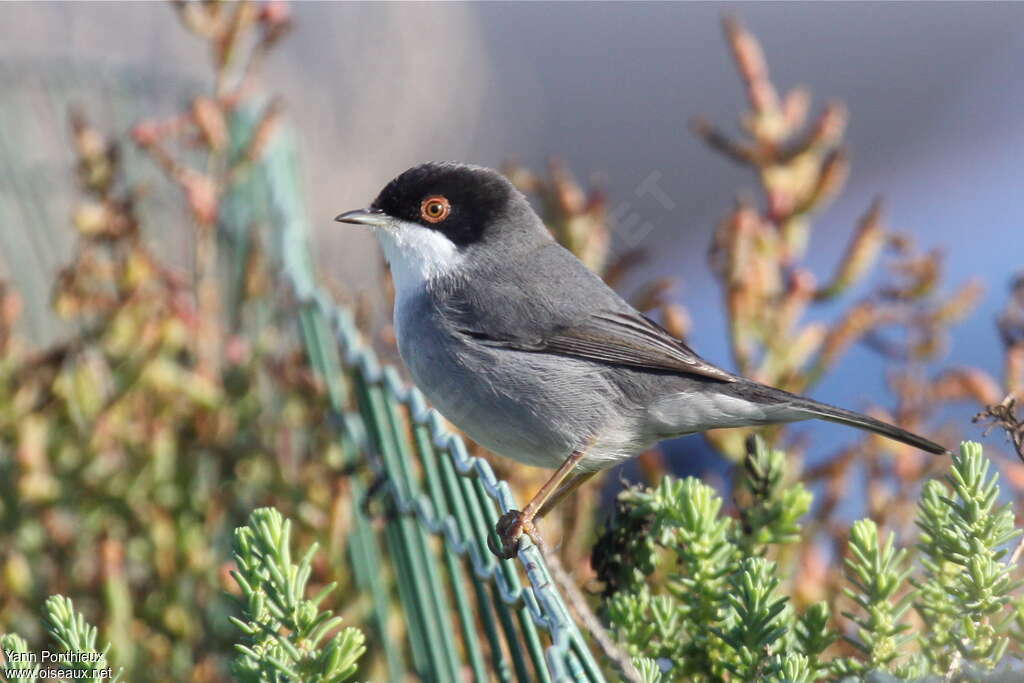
(933,90)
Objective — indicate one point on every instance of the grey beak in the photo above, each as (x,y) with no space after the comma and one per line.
(372,217)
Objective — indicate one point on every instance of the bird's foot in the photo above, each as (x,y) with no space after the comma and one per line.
(510,527)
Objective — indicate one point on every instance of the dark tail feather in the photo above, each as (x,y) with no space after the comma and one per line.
(848,417)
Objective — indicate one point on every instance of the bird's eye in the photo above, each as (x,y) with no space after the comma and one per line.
(435,209)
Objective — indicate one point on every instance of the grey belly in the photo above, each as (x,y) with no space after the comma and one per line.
(533,408)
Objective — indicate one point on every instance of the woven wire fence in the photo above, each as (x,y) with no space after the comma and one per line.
(465,609)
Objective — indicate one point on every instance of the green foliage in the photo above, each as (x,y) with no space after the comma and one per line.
(814,635)
(757,621)
(967,581)
(686,520)
(712,608)
(771,517)
(77,638)
(285,632)
(287,637)
(877,573)
(648,669)
(709,604)
(626,554)
(12,643)
(75,635)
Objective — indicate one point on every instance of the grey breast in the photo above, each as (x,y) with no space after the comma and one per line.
(538,407)
(534,408)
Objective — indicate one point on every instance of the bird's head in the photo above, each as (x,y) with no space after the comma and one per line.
(434,217)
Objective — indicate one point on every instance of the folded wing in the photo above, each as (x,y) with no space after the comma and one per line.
(615,338)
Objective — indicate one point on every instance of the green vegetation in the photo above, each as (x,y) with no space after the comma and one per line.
(285,634)
(699,596)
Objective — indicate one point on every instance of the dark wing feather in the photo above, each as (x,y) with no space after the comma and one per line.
(616,338)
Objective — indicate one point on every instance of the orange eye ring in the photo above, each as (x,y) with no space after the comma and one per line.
(435,209)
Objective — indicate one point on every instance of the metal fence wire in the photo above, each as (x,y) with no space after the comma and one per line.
(466,610)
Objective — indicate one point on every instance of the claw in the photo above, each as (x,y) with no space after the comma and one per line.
(509,528)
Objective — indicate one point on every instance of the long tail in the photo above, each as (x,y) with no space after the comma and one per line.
(824,411)
(790,407)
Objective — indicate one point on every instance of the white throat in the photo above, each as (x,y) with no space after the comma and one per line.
(417,256)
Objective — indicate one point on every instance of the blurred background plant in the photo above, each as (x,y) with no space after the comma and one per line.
(180,399)
(180,402)
(907,315)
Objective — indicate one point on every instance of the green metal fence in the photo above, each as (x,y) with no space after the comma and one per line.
(465,609)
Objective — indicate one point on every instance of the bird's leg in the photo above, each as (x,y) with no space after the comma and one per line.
(515,523)
(563,492)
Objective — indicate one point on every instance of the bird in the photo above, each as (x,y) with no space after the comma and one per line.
(529,353)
